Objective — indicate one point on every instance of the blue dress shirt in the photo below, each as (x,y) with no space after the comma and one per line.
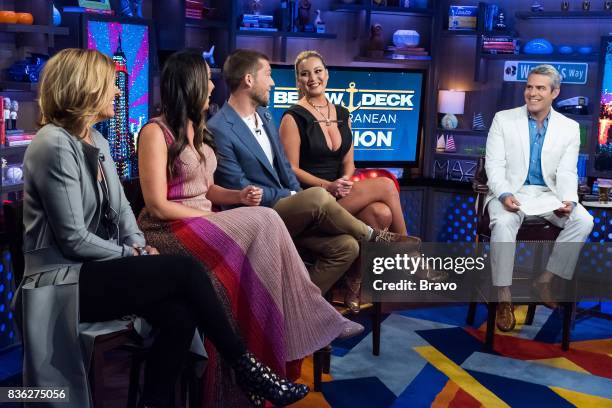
(536,140)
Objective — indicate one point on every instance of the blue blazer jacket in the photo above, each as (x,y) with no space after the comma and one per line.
(242,161)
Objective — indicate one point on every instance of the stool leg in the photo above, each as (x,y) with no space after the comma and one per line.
(567,323)
(326,360)
(471,316)
(317,360)
(490,335)
(530,314)
(376,322)
(96,371)
(134,380)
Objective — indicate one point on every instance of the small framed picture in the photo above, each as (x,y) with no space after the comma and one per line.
(95,4)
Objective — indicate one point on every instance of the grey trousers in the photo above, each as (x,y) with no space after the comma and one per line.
(505,225)
(323,228)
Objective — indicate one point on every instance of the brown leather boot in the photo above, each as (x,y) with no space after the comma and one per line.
(504,317)
(352,296)
(543,290)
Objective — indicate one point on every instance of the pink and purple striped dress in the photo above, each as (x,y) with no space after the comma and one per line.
(255,268)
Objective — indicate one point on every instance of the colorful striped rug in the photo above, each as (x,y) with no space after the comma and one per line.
(430,358)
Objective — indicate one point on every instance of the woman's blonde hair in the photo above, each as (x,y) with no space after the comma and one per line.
(304,55)
(74,89)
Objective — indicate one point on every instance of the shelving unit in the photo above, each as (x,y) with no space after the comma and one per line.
(458,156)
(285,34)
(459,33)
(465,132)
(406,62)
(347,8)
(542,57)
(7,150)
(205,24)
(489,96)
(578,14)
(12,86)
(38,29)
(402,11)
(38,37)
(11,188)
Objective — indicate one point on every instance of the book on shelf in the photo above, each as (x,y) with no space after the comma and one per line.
(498,52)
(271,29)
(497,48)
(259,17)
(2,129)
(504,38)
(21,139)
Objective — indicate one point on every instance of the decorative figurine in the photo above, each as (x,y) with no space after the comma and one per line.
(586,5)
(209,57)
(57,17)
(137,7)
(478,122)
(319,23)
(565,5)
(501,21)
(14,110)
(131,8)
(607,5)
(440,143)
(450,144)
(304,14)
(536,6)
(318,19)
(7,113)
(376,44)
(255,6)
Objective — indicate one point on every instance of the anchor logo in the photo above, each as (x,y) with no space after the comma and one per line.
(351,91)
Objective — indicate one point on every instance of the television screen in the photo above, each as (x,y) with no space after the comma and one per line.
(128,45)
(603,154)
(384,105)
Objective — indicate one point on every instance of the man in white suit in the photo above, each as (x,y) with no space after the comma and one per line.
(531,158)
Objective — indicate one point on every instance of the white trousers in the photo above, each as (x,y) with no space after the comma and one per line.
(505,225)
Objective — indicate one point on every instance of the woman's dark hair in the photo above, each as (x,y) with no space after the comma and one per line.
(184,91)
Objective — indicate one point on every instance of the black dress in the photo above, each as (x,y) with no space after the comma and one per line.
(315,156)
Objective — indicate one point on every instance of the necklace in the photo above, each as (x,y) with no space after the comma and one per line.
(316,107)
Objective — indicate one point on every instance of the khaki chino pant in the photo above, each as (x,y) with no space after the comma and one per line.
(322,227)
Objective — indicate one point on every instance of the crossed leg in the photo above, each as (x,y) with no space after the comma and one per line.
(376,202)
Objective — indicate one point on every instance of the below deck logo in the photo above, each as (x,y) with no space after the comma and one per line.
(373,112)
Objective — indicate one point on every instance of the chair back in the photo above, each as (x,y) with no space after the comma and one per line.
(134,195)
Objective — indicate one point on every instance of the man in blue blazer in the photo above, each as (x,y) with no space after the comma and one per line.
(250,154)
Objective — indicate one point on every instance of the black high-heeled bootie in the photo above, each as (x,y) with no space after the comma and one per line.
(259,381)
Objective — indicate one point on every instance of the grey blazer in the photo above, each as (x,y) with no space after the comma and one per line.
(62,211)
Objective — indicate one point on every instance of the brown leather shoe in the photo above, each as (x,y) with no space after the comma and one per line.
(543,290)
(504,318)
(388,236)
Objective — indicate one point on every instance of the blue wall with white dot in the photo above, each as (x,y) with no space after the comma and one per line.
(7,331)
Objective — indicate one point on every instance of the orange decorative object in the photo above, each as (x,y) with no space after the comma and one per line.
(361,174)
(8,17)
(25,18)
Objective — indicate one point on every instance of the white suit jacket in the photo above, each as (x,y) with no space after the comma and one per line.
(507,154)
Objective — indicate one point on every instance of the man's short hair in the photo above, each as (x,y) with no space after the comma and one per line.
(238,64)
(549,71)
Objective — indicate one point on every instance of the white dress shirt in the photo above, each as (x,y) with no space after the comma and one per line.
(255,123)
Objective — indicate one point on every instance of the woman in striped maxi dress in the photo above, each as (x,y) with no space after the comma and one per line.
(254,264)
